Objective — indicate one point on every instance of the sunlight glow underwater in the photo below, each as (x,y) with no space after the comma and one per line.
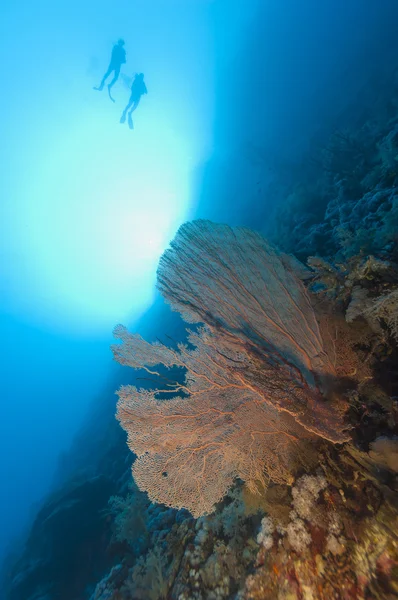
(100,206)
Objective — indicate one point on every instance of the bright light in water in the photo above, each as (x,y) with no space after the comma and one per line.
(101,204)
(89,206)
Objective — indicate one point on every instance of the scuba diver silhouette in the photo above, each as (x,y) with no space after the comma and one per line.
(117,59)
(138,88)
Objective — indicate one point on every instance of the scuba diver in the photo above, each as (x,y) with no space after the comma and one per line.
(117,59)
(138,89)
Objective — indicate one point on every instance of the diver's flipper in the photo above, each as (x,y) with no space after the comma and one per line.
(123,118)
(99,88)
(130,121)
(109,94)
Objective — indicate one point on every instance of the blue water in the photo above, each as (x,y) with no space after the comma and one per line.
(236,90)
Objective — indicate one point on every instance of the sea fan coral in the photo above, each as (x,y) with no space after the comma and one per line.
(251,381)
(237,283)
(223,427)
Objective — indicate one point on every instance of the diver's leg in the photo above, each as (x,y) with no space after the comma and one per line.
(115,78)
(105,77)
(123,117)
(124,113)
(135,103)
(132,109)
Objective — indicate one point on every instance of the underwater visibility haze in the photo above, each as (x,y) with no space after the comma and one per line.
(86,208)
(206,192)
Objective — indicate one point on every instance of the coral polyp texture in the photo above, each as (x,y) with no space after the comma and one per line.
(253,372)
(191,449)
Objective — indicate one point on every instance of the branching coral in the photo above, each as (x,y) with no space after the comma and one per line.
(354,175)
(304,514)
(386,308)
(129,519)
(364,287)
(265,534)
(374,310)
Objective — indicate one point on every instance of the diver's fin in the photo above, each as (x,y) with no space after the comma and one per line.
(123,118)
(130,122)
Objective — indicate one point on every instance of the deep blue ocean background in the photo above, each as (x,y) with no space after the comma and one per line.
(236,92)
